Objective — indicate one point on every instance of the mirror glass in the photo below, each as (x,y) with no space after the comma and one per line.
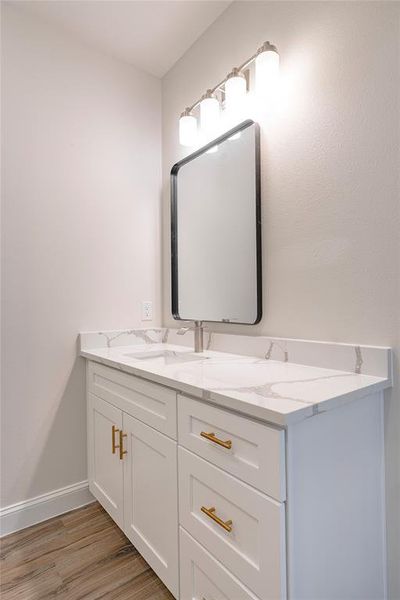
(216,230)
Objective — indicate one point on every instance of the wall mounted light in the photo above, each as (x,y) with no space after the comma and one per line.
(267,69)
(230,94)
(209,115)
(187,128)
(235,91)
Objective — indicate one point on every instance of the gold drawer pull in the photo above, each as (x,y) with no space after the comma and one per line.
(212,437)
(121,445)
(114,445)
(210,512)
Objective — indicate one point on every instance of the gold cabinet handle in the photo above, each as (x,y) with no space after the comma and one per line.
(114,445)
(210,512)
(212,437)
(121,445)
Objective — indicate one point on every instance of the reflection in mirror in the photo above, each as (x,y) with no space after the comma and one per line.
(216,232)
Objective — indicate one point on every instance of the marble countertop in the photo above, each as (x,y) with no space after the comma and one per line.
(274,391)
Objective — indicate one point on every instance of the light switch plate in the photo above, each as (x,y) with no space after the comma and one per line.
(147,310)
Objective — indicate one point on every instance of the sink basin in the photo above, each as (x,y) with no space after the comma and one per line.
(168,356)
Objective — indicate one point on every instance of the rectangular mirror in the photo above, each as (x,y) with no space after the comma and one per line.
(216,230)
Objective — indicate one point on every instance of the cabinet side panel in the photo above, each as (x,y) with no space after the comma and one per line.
(335,504)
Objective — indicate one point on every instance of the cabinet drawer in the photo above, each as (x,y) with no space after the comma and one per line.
(203,577)
(256,454)
(151,403)
(254,548)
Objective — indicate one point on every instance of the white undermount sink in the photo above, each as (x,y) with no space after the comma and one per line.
(170,356)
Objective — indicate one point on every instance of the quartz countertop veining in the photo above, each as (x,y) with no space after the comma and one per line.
(271,390)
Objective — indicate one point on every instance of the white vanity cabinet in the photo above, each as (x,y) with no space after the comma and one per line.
(226,507)
(133,466)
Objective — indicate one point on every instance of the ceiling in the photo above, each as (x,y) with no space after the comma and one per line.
(151,35)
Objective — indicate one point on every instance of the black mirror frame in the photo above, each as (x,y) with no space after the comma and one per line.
(174,219)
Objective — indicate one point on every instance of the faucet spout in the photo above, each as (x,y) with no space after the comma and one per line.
(198,336)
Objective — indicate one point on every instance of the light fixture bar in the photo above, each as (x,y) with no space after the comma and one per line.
(246,63)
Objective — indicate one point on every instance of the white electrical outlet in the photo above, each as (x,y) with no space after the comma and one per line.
(147,310)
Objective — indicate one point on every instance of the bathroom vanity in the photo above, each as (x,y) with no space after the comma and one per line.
(253,470)
(250,471)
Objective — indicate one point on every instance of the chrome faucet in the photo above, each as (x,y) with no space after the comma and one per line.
(198,330)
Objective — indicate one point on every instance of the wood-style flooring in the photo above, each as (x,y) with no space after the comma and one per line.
(81,554)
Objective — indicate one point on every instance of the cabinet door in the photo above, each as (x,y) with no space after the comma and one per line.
(150,498)
(104,463)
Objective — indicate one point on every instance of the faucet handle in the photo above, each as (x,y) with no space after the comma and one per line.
(183,330)
(193,327)
(196,325)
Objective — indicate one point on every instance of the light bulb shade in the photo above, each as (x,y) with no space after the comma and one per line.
(209,117)
(267,72)
(235,93)
(187,130)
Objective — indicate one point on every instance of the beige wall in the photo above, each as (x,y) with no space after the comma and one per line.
(81,200)
(330,178)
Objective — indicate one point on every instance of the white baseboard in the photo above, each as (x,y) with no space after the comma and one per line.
(35,510)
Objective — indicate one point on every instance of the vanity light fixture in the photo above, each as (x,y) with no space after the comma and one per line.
(187,128)
(267,69)
(209,115)
(235,91)
(230,93)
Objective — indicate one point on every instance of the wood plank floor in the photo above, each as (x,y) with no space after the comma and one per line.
(81,554)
